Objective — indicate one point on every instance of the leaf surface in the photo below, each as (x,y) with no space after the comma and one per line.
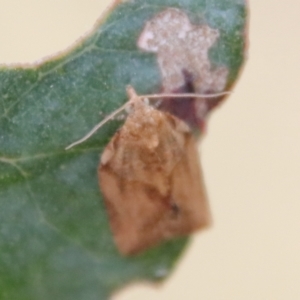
(55,241)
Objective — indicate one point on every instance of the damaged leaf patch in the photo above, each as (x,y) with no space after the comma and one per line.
(182,51)
(182,48)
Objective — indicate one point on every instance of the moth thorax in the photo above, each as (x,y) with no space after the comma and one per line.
(144,125)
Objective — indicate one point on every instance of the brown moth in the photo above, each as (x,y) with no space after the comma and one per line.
(150,177)
(151,180)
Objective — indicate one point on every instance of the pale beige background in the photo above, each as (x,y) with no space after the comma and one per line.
(251,154)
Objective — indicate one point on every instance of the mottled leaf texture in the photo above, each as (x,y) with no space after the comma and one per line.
(55,240)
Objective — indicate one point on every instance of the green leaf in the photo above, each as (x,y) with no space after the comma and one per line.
(55,241)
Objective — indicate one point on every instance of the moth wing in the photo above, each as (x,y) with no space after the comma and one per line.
(134,207)
(188,191)
(188,208)
(134,210)
(142,212)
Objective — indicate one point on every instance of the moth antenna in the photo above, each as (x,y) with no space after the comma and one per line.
(185,95)
(133,96)
(99,125)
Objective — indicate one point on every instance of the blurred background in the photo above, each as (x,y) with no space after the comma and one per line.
(250,155)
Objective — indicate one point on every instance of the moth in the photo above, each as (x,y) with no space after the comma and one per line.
(150,178)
